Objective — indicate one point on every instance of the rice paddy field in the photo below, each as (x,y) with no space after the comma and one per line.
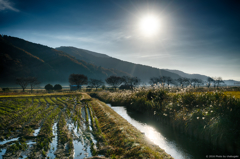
(68,126)
(46,127)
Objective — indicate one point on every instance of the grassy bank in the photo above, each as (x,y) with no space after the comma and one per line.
(210,116)
(123,140)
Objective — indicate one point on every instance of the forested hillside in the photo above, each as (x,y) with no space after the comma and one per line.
(21,58)
(141,71)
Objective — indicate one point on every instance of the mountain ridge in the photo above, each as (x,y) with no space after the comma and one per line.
(142,71)
(77,53)
(23,58)
(19,57)
(188,75)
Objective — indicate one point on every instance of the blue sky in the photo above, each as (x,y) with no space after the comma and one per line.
(195,36)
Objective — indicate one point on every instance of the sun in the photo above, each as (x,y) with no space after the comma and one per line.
(149,25)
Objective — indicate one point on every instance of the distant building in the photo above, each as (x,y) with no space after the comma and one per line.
(75,87)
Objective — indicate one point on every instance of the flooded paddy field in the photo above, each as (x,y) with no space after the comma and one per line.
(68,127)
(48,127)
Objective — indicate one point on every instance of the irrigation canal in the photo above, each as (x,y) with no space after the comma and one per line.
(177,145)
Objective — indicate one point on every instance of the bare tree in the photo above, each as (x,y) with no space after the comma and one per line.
(163,80)
(219,81)
(131,81)
(199,82)
(209,80)
(78,79)
(134,81)
(169,81)
(194,81)
(96,83)
(180,81)
(114,81)
(23,82)
(183,81)
(33,82)
(186,81)
(154,80)
(214,81)
(175,82)
(126,80)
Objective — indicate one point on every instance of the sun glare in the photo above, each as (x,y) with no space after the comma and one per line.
(149,25)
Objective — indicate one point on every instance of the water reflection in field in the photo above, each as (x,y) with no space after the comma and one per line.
(53,144)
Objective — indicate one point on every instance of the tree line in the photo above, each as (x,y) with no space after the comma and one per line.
(183,81)
(114,81)
(33,82)
(126,82)
(25,81)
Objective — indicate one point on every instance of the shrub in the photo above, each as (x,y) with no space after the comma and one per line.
(159,96)
(6,89)
(57,87)
(48,87)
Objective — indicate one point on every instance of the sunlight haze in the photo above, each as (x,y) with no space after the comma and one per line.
(149,25)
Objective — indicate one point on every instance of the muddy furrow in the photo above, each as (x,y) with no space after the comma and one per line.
(45,136)
(82,139)
(65,142)
(54,142)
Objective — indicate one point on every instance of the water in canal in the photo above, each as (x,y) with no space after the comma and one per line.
(177,145)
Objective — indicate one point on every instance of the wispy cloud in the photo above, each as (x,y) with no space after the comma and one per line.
(97,37)
(5,4)
(70,38)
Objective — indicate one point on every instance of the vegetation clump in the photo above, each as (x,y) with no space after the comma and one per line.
(5,89)
(57,87)
(48,87)
(211,116)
